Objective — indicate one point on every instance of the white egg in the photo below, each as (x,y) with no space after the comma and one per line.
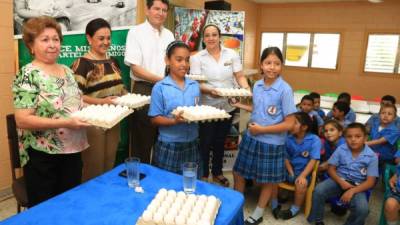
(169,219)
(147,215)
(181,194)
(158,218)
(180,220)
(191,221)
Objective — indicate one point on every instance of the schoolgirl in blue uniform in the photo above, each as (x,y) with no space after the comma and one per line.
(303,150)
(177,141)
(261,151)
(353,169)
(384,135)
(333,138)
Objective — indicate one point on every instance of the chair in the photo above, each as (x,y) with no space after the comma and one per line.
(389,171)
(18,180)
(310,189)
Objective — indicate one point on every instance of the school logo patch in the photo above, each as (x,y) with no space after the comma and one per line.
(305,154)
(363,171)
(271,110)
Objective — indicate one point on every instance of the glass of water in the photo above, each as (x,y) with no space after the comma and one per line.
(132,170)
(189,171)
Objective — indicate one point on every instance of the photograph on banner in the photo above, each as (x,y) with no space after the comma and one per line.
(73,15)
(189,24)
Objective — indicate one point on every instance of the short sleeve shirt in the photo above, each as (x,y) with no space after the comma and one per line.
(146,47)
(167,96)
(50,97)
(219,74)
(354,169)
(391,133)
(271,104)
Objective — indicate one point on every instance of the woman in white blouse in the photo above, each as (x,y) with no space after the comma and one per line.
(222,67)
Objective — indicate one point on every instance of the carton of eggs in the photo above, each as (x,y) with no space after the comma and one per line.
(133,101)
(233,92)
(204,212)
(105,116)
(196,77)
(201,113)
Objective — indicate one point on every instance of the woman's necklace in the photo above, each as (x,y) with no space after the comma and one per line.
(93,56)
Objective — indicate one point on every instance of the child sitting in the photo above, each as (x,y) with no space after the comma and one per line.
(384,135)
(317,102)
(302,152)
(350,116)
(392,203)
(307,105)
(333,138)
(386,100)
(339,112)
(353,169)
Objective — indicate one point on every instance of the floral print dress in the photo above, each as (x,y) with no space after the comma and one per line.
(50,97)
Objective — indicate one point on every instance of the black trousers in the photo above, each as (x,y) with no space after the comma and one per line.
(47,175)
(212,139)
(143,133)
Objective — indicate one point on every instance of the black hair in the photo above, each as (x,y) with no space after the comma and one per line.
(271,50)
(389,98)
(307,97)
(304,119)
(315,95)
(344,96)
(342,106)
(95,25)
(334,123)
(212,25)
(356,125)
(389,106)
(170,50)
(149,3)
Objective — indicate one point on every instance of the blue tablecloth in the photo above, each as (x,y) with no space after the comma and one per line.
(108,200)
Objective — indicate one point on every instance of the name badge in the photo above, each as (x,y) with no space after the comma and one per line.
(305,154)
(363,171)
(271,110)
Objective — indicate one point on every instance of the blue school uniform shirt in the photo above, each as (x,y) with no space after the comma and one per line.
(314,114)
(354,169)
(349,118)
(321,113)
(375,117)
(299,154)
(329,149)
(270,106)
(167,96)
(391,134)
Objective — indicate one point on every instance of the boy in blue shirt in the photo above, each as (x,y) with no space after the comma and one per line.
(350,116)
(339,112)
(386,100)
(302,152)
(392,203)
(353,169)
(307,105)
(317,102)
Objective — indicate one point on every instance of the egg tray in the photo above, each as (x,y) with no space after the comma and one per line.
(109,125)
(208,207)
(197,77)
(192,119)
(223,92)
(132,105)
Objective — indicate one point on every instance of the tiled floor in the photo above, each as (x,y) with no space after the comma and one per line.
(8,208)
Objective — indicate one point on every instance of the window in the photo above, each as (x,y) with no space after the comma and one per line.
(382,51)
(311,50)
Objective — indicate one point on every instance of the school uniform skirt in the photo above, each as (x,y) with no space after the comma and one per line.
(171,155)
(260,161)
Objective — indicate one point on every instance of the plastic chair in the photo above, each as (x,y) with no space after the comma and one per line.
(389,171)
(310,189)
(18,181)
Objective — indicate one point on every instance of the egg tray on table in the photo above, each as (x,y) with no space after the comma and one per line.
(104,116)
(177,208)
(201,113)
(196,77)
(133,101)
(233,92)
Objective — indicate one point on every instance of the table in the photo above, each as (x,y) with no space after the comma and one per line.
(108,200)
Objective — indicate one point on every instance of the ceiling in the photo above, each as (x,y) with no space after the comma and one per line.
(303,1)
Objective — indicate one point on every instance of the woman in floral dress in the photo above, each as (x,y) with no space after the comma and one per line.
(45,95)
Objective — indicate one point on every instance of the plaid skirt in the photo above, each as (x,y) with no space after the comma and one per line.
(171,155)
(260,161)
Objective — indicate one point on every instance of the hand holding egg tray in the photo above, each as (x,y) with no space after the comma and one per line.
(169,207)
(133,101)
(104,116)
(202,113)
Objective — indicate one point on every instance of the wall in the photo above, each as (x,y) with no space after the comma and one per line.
(7,71)
(353,21)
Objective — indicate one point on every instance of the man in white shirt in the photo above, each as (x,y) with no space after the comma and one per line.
(144,54)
